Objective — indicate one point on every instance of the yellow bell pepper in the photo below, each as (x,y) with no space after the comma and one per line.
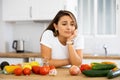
(10,69)
(108,62)
(34,63)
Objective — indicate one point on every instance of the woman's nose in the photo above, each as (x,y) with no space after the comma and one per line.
(68,26)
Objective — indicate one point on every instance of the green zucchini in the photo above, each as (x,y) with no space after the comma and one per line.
(103,66)
(95,73)
(113,74)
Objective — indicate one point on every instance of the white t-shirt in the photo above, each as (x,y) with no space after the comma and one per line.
(59,51)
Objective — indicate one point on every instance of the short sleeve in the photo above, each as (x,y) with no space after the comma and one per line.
(47,38)
(79,42)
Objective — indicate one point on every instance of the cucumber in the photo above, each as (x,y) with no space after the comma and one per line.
(113,74)
(95,73)
(103,66)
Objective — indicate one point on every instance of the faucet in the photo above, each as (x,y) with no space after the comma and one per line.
(105,48)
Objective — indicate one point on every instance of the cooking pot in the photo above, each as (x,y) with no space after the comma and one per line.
(18,45)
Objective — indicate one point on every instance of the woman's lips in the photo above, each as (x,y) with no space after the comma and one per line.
(68,32)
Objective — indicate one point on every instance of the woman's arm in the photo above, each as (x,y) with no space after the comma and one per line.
(46,53)
(75,56)
(59,63)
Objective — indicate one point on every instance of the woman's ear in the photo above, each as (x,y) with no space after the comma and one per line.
(55,26)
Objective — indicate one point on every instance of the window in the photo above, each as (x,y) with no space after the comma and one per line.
(97,17)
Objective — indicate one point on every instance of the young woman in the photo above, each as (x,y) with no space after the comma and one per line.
(60,44)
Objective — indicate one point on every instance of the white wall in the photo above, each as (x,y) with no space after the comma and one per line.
(2,48)
(2,32)
(30,32)
(5,33)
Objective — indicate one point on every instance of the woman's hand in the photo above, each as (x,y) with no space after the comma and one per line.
(74,34)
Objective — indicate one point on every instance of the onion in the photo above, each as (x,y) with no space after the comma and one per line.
(74,70)
(53,72)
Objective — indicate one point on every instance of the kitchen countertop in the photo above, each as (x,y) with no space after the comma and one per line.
(37,55)
(63,74)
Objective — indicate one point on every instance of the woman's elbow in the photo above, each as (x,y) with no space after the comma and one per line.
(77,63)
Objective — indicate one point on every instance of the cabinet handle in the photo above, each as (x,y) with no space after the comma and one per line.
(30,12)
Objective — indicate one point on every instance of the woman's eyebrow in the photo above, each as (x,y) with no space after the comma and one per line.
(64,21)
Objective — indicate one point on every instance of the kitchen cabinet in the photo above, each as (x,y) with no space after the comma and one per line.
(13,10)
(46,9)
(17,10)
(72,5)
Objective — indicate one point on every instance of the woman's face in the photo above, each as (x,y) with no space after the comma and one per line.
(65,26)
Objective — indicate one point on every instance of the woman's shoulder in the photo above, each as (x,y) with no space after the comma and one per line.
(48,33)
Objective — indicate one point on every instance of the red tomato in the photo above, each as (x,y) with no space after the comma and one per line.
(18,71)
(44,70)
(52,67)
(36,69)
(26,71)
(85,67)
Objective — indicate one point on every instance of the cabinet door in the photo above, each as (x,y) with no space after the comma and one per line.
(46,9)
(14,10)
(71,5)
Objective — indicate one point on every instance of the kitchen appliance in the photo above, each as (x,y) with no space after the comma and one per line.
(18,45)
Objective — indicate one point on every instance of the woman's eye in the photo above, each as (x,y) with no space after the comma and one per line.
(72,24)
(63,24)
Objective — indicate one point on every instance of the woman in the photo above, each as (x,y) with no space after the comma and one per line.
(60,44)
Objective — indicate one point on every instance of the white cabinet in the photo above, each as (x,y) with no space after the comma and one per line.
(72,5)
(16,10)
(46,9)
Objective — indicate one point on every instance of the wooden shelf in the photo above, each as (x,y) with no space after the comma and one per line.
(37,55)
(19,55)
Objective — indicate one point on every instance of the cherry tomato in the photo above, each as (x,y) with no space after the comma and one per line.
(52,67)
(44,70)
(18,71)
(36,69)
(85,67)
(26,71)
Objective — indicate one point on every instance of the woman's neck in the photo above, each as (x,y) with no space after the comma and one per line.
(62,40)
